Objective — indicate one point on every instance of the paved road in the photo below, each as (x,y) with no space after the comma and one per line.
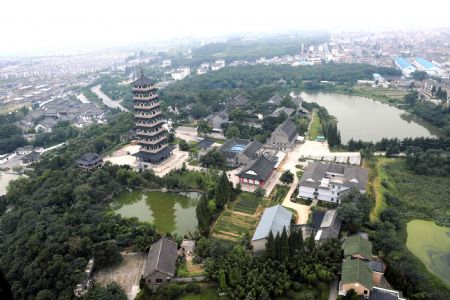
(106,100)
(333,290)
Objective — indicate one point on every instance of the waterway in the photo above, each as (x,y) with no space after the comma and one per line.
(107,100)
(169,212)
(431,244)
(365,119)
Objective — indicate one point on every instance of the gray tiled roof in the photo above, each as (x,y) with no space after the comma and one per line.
(225,149)
(251,149)
(240,100)
(286,110)
(142,80)
(289,128)
(162,257)
(262,167)
(275,100)
(89,158)
(273,219)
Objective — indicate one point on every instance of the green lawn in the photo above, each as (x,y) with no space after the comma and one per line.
(209,293)
(431,244)
(279,193)
(315,128)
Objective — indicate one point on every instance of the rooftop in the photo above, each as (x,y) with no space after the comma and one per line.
(273,219)
(403,63)
(425,63)
(258,169)
(357,270)
(162,257)
(356,244)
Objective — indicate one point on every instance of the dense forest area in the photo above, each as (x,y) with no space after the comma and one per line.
(257,83)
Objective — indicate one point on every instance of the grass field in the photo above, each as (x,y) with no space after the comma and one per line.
(316,127)
(432,248)
(419,196)
(246,203)
(233,226)
(376,177)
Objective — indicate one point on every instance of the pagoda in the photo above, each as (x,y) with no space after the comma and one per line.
(149,122)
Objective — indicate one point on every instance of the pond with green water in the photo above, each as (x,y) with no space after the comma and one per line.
(431,244)
(169,212)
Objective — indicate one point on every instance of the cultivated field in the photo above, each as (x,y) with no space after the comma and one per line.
(246,203)
(233,226)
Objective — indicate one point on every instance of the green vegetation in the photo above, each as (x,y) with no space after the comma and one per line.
(111,292)
(279,193)
(315,129)
(233,227)
(416,196)
(246,203)
(10,138)
(432,248)
(354,210)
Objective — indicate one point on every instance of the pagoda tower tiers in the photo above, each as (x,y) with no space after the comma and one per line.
(149,122)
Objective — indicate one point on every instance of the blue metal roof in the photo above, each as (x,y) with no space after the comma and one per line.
(273,219)
(425,63)
(403,63)
(237,148)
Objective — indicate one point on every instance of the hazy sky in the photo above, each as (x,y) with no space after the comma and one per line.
(33,25)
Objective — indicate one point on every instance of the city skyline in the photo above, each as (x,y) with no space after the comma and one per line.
(29,27)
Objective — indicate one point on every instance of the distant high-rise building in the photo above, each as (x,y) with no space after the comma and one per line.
(149,122)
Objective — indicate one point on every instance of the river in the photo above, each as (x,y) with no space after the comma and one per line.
(169,212)
(107,100)
(364,119)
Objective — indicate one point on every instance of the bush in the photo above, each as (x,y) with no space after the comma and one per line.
(192,287)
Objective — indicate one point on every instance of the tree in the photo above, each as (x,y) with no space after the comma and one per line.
(232,131)
(287,177)
(212,159)
(284,246)
(111,292)
(259,192)
(411,97)
(184,146)
(270,246)
(222,281)
(203,216)
(203,128)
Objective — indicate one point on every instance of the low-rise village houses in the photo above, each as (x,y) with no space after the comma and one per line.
(216,120)
(160,265)
(240,151)
(274,219)
(363,272)
(329,181)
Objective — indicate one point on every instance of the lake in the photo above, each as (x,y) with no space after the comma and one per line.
(364,119)
(169,212)
(431,244)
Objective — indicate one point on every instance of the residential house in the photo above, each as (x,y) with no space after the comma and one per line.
(90,161)
(231,148)
(326,225)
(363,272)
(45,125)
(327,181)
(30,158)
(160,265)
(274,101)
(251,151)
(82,288)
(282,110)
(283,137)
(274,219)
(257,171)
(24,150)
(204,146)
(297,100)
(216,120)
(239,100)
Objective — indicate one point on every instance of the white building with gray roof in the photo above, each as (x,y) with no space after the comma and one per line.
(283,137)
(274,219)
(160,265)
(328,181)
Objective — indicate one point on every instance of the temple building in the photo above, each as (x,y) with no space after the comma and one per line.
(149,123)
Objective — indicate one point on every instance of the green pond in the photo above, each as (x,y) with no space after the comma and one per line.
(169,212)
(431,244)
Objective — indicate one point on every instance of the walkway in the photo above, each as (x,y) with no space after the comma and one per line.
(106,100)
